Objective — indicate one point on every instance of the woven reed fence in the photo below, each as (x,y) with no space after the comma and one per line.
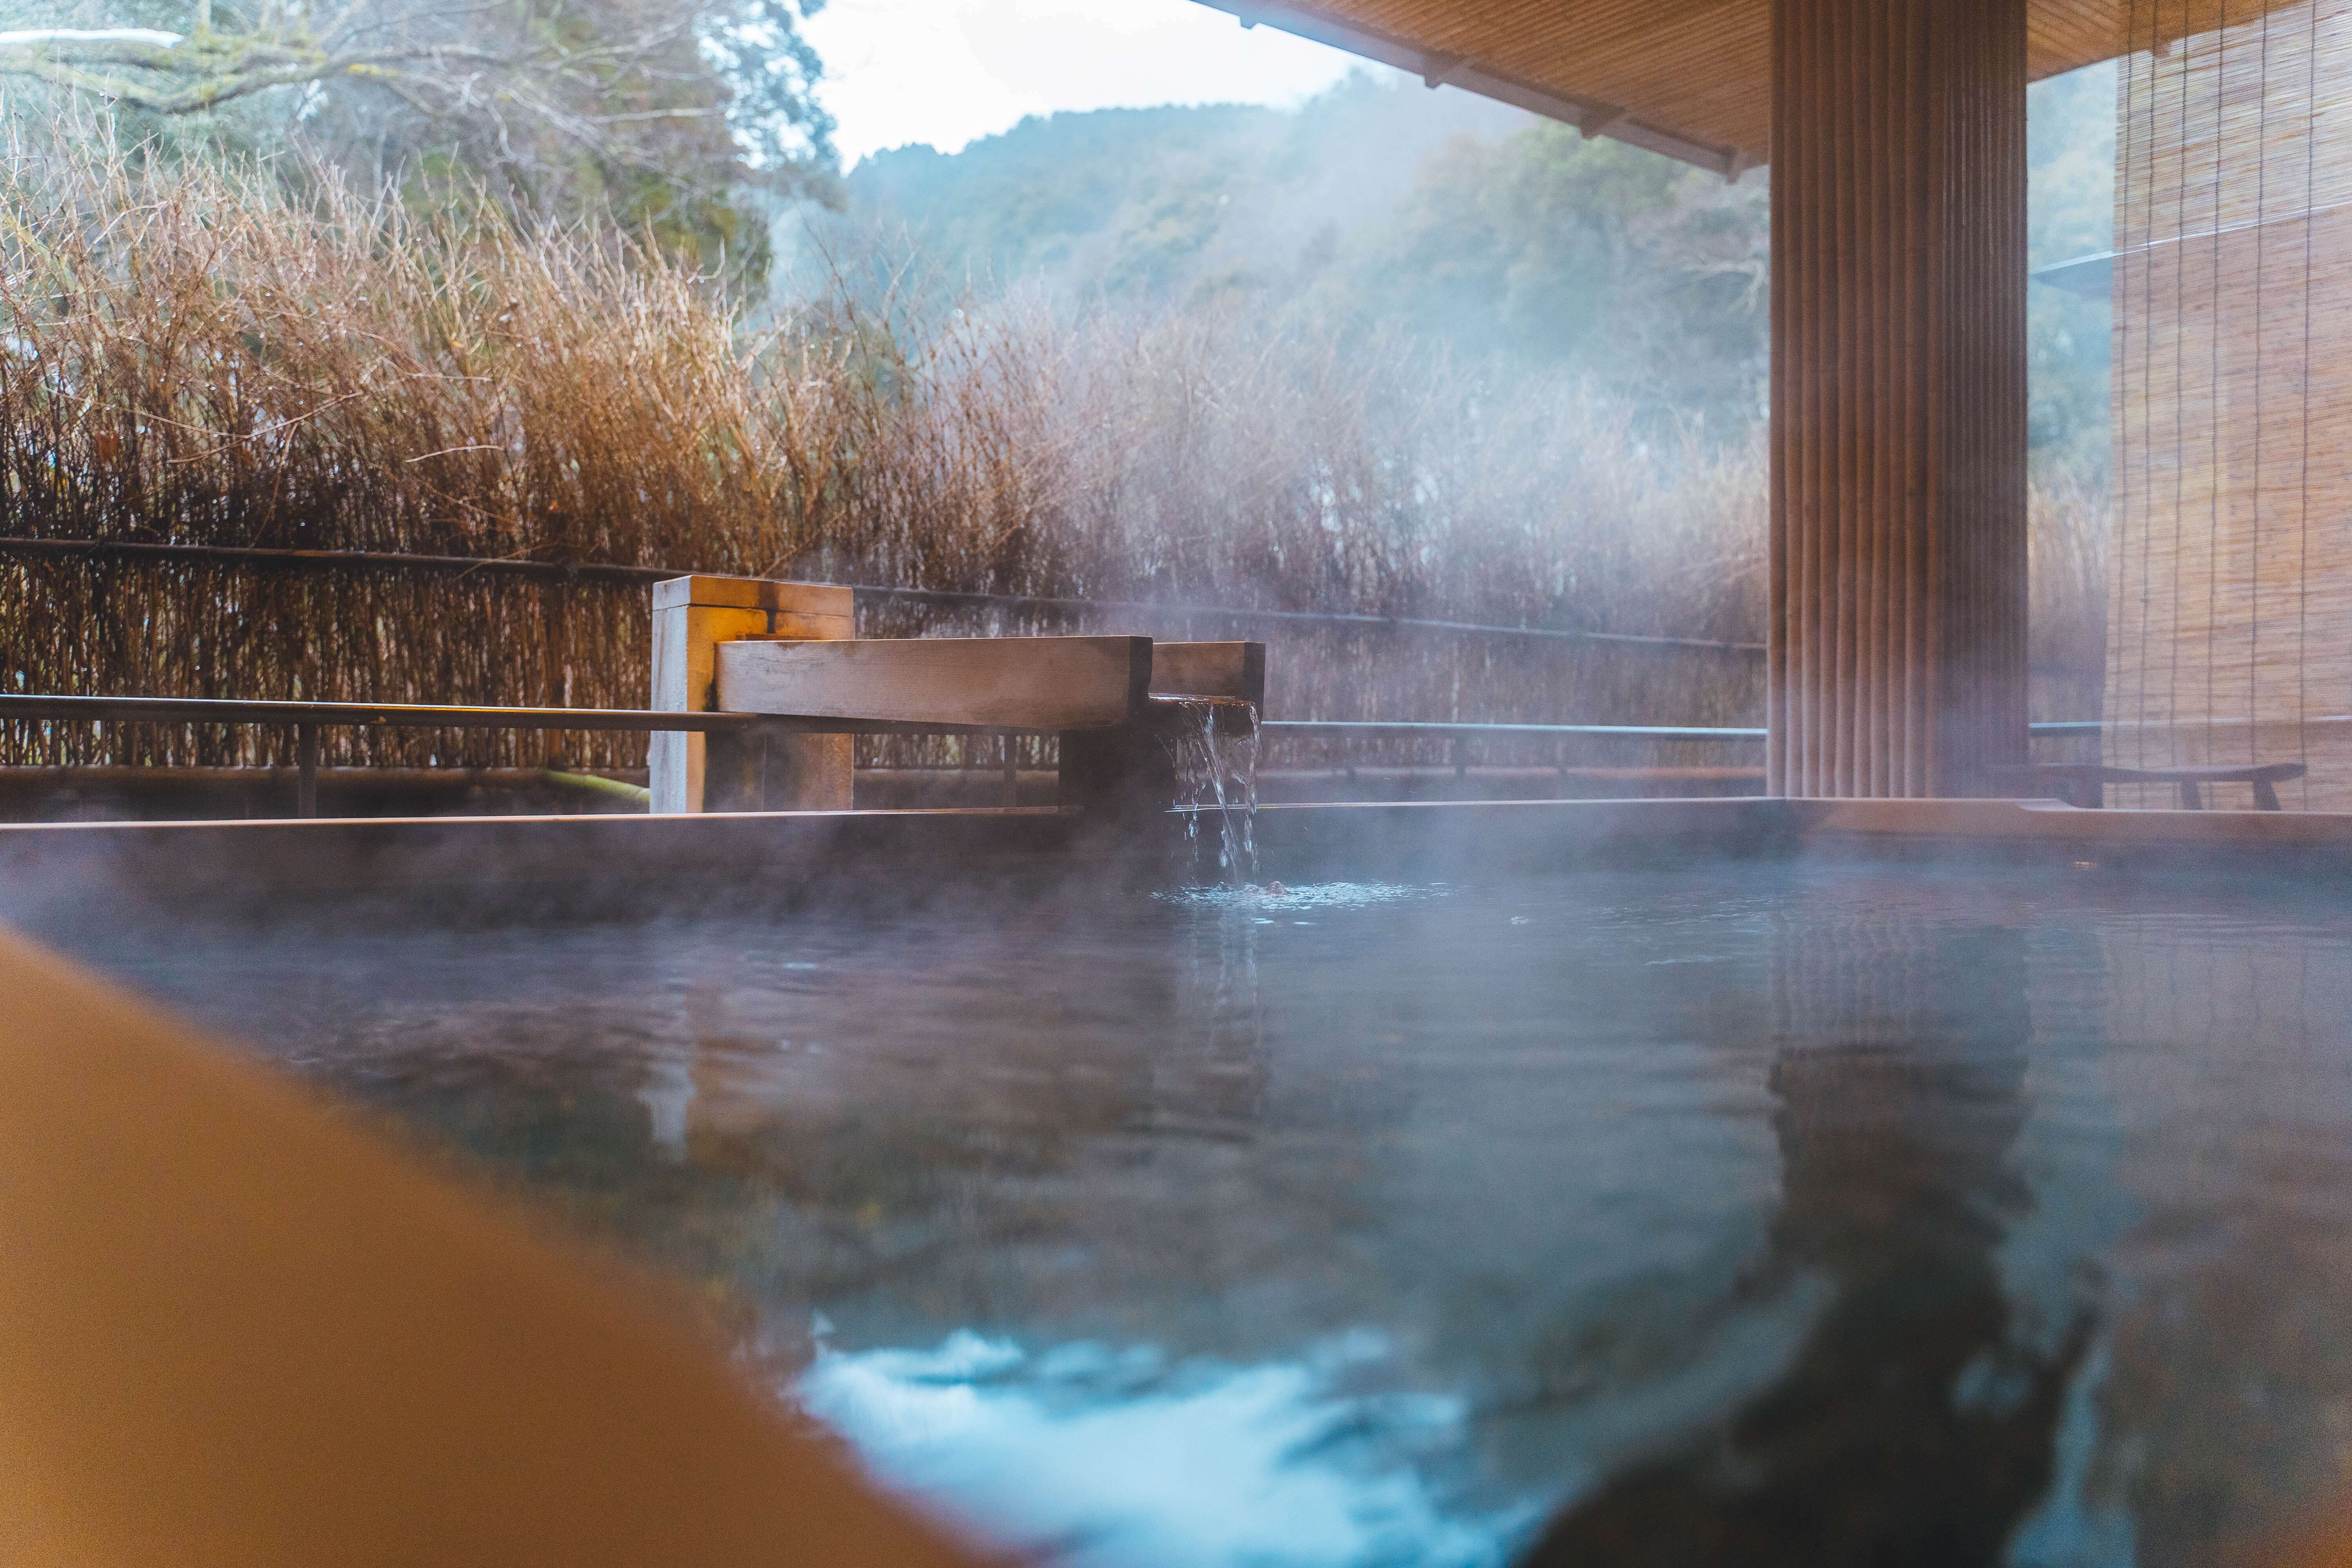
(389,633)
(2231,606)
(428,632)
(109,626)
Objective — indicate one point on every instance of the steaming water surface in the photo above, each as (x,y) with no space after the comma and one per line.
(1753,1213)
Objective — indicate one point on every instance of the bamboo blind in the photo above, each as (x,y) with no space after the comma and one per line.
(2231,615)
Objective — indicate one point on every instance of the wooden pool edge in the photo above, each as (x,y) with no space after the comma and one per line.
(584,865)
(1542,834)
(545,867)
(1965,822)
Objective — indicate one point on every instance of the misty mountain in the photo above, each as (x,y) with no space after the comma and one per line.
(1148,204)
(1491,237)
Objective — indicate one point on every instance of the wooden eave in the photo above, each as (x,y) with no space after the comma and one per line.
(1691,78)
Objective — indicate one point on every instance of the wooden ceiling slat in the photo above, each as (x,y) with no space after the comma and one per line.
(1696,69)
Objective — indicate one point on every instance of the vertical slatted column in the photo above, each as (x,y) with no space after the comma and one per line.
(1898,663)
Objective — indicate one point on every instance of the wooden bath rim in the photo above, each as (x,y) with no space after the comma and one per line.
(574,865)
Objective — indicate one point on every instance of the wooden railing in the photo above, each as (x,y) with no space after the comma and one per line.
(306,719)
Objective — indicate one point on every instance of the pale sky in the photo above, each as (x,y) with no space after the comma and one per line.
(947,71)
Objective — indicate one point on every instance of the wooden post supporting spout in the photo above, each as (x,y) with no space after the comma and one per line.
(692,615)
(1123,775)
(1898,591)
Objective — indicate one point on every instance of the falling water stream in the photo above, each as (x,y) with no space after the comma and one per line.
(1211,746)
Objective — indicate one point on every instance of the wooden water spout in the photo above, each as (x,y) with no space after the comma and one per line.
(994,683)
(783,650)
(1128,772)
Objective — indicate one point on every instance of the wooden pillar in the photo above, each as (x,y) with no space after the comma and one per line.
(692,615)
(1898,589)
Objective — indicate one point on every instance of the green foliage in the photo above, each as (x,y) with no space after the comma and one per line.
(1491,238)
(1515,246)
(1103,197)
(1547,250)
(1486,236)
(2071,159)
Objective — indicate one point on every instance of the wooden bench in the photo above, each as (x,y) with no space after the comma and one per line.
(2088,780)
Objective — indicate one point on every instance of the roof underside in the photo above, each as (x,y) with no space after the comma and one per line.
(1687,78)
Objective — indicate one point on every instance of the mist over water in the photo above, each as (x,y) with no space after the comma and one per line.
(1539,1219)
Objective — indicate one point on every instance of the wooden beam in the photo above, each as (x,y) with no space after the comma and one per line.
(1013,683)
(1210,669)
(822,601)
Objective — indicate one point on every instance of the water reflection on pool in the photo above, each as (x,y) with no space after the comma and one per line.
(1760,1213)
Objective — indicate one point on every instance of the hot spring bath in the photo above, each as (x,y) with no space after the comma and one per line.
(1675,1214)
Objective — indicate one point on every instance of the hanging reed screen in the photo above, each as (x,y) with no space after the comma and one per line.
(2231,618)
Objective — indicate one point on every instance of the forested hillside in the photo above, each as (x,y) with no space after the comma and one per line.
(2071,148)
(1488,237)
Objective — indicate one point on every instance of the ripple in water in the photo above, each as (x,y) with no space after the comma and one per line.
(1083,1455)
(1277,896)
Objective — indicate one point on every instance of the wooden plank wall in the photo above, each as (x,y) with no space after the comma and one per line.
(2231,618)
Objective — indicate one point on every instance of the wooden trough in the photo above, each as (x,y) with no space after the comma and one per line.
(783,651)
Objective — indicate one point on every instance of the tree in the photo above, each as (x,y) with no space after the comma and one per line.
(1548,248)
(661,114)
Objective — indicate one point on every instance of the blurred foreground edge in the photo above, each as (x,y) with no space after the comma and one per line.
(235,1329)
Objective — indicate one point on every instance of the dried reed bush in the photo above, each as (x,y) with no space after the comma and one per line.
(197,355)
(226,356)
(1208,460)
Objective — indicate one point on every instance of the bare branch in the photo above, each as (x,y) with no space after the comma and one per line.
(152,36)
(515,90)
(216,69)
